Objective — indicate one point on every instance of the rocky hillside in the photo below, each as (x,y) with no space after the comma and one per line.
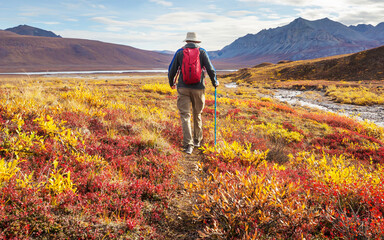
(376,33)
(364,65)
(301,39)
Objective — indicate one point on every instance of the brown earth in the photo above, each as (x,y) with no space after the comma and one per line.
(180,223)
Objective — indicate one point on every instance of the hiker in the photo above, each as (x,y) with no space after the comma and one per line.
(191,87)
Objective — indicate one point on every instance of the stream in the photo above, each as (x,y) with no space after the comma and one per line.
(373,113)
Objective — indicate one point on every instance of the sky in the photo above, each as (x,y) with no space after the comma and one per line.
(163,24)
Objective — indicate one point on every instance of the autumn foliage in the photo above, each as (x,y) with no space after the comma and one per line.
(283,173)
(75,163)
(96,158)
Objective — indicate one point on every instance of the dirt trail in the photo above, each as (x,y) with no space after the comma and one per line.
(180,223)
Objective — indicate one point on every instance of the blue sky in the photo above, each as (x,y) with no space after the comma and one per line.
(162,24)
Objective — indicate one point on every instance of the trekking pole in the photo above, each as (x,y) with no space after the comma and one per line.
(215,114)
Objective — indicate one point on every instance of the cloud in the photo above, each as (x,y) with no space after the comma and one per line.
(285,2)
(74,9)
(163,3)
(50,23)
(98,6)
(35,12)
(71,19)
(239,13)
(109,21)
(345,11)
(168,30)
(218,28)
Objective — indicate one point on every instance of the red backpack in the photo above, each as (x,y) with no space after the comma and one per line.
(191,67)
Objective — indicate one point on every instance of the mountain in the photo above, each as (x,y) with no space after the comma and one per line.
(300,39)
(20,53)
(31,31)
(362,28)
(364,65)
(376,33)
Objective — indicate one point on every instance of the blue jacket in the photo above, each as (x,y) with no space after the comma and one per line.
(204,61)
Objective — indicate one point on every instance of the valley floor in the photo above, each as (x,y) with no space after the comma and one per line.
(99,157)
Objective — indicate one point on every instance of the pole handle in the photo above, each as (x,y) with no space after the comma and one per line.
(175,79)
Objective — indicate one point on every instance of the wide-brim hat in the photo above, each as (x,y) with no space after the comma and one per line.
(192,37)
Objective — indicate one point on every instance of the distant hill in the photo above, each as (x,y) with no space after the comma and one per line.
(301,39)
(364,65)
(22,51)
(32,53)
(166,52)
(31,31)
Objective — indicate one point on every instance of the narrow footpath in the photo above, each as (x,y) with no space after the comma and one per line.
(180,224)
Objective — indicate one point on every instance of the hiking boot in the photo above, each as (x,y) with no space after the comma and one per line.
(188,149)
(197,144)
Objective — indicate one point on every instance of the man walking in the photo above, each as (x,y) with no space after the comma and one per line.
(191,59)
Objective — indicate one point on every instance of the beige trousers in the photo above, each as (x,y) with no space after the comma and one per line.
(186,98)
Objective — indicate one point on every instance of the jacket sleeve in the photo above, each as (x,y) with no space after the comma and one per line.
(173,67)
(206,62)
